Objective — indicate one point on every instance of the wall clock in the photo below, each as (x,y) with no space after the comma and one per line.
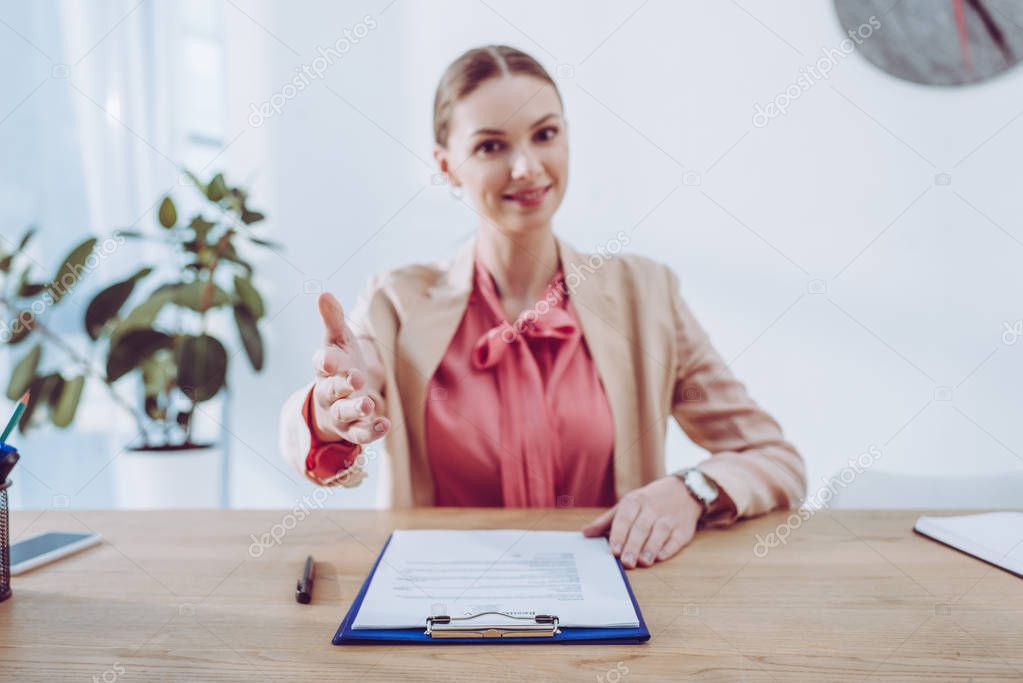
(938,42)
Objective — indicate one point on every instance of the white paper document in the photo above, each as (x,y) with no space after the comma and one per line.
(996,537)
(459,573)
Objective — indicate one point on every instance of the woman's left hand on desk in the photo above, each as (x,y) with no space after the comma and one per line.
(650,524)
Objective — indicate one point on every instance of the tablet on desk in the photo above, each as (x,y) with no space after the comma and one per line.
(45,548)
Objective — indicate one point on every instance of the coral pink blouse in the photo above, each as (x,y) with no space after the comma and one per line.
(516,415)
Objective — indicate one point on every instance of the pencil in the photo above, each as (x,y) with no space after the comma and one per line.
(18,410)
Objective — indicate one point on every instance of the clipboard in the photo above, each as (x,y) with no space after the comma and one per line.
(447,630)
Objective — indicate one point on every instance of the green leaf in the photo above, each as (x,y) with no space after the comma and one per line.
(202,367)
(201,226)
(24,240)
(249,296)
(20,326)
(141,273)
(26,288)
(56,387)
(199,296)
(195,180)
(153,409)
(217,188)
(168,213)
(236,199)
(105,306)
(33,400)
(251,338)
(143,315)
(24,373)
(30,289)
(67,402)
(132,348)
(108,303)
(157,378)
(42,390)
(70,273)
(250,217)
(157,374)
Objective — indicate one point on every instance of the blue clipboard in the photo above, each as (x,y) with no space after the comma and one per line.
(346,635)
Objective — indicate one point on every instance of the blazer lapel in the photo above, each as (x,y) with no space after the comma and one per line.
(594,298)
(427,331)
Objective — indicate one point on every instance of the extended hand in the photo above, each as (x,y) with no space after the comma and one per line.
(650,524)
(342,409)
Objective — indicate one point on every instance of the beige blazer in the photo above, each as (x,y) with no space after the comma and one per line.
(651,354)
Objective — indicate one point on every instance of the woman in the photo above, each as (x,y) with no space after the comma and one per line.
(568,404)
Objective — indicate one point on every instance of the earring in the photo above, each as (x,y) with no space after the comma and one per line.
(457,192)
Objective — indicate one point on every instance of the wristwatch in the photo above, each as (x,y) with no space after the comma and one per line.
(702,487)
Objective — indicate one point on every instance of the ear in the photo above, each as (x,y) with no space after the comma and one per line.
(440,154)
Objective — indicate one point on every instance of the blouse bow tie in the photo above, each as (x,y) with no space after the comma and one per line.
(556,323)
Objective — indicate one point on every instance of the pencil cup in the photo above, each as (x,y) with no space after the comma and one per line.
(5,544)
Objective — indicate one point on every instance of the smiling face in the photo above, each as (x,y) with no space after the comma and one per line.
(507,147)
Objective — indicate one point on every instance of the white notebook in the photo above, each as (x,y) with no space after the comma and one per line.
(995,537)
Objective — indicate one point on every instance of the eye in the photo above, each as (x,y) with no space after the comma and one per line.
(490,146)
(546,134)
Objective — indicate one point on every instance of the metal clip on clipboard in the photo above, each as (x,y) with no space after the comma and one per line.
(537,626)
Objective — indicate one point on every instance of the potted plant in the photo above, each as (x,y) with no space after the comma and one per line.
(167,341)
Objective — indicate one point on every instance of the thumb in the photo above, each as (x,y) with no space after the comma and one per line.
(333,316)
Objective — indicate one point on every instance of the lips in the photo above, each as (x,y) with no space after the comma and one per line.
(530,196)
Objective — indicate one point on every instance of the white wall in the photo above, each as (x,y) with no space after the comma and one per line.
(919,277)
(843,183)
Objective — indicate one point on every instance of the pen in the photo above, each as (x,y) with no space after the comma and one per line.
(7,464)
(19,408)
(304,589)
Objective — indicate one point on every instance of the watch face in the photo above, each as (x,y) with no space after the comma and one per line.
(700,486)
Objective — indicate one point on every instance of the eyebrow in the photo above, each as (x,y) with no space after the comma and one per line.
(496,131)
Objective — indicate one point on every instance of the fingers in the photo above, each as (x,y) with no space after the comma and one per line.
(333,315)
(659,533)
(678,539)
(354,419)
(638,534)
(600,525)
(628,509)
(334,361)
(347,410)
(366,431)
(327,390)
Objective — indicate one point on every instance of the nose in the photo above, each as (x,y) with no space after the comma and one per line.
(525,165)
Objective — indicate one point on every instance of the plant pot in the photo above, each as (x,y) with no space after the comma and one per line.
(166,478)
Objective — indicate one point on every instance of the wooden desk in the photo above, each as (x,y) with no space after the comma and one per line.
(851,596)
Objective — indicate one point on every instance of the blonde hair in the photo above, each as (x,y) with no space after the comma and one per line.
(472,68)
